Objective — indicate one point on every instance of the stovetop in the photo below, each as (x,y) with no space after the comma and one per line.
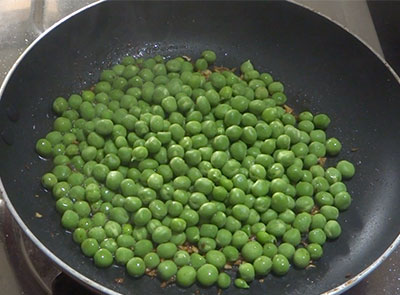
(25,270)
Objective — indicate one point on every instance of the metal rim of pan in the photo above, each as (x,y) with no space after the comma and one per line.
(337,290)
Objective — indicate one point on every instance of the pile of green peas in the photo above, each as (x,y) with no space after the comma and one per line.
(166,165)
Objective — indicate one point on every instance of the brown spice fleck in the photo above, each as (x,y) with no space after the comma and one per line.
(151,272)
(322,161)
(37,196)
(315,210)
(261,280)
(223,69)
(348,276)
(310,266)
(166,283)
(228,266)
(187,58)
(354,149)
(119,280)
(38,215)
(288,109)
(238,262)
(206,73)
(189,248)
(304,243)
(219,292)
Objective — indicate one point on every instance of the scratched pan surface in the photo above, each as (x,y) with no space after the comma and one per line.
(324,69)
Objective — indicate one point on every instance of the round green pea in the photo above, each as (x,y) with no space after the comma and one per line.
(207,275)
(136,267)
(186,276)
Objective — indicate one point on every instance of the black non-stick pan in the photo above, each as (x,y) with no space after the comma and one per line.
(324,69)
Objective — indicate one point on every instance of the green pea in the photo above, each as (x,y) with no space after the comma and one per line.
(123,255)
(286,250)
(207,275)
(206,244)
(292,236)
(333,146)
(315,251)
(79,235)
(251,251)
(330,212)
(89,247)
(103,258)
(321,121)
(241,284)
(346,169)
(317,236)
(216,258)
(70,219)
(186,276)
(167,269)
(302,222)
(136,267)
(262,265)
(301,258)
(318,221)
(280,264)
(270,250)
(161,234)
(332,229)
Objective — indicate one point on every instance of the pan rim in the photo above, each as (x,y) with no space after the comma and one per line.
(95,285)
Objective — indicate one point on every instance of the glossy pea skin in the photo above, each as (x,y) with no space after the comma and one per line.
(70,220)
(49,180)
(216,258)
(321,121)
(262,265)
(186,276)
(280,264)
(342,200)
(103,258)
(315,251)
(143,247)
(89,247)
(166,250)
(231,253)
(79,235)
(346,169)
(136,267)
(247,272)
(207,275)
(224,280)
(332,229)
(317,236)
(123,255)
(251,251)
(301,258)
(292,236)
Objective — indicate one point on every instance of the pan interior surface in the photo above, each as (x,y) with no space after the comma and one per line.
(324,69)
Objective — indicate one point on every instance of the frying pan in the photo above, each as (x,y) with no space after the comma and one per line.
(324,69)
